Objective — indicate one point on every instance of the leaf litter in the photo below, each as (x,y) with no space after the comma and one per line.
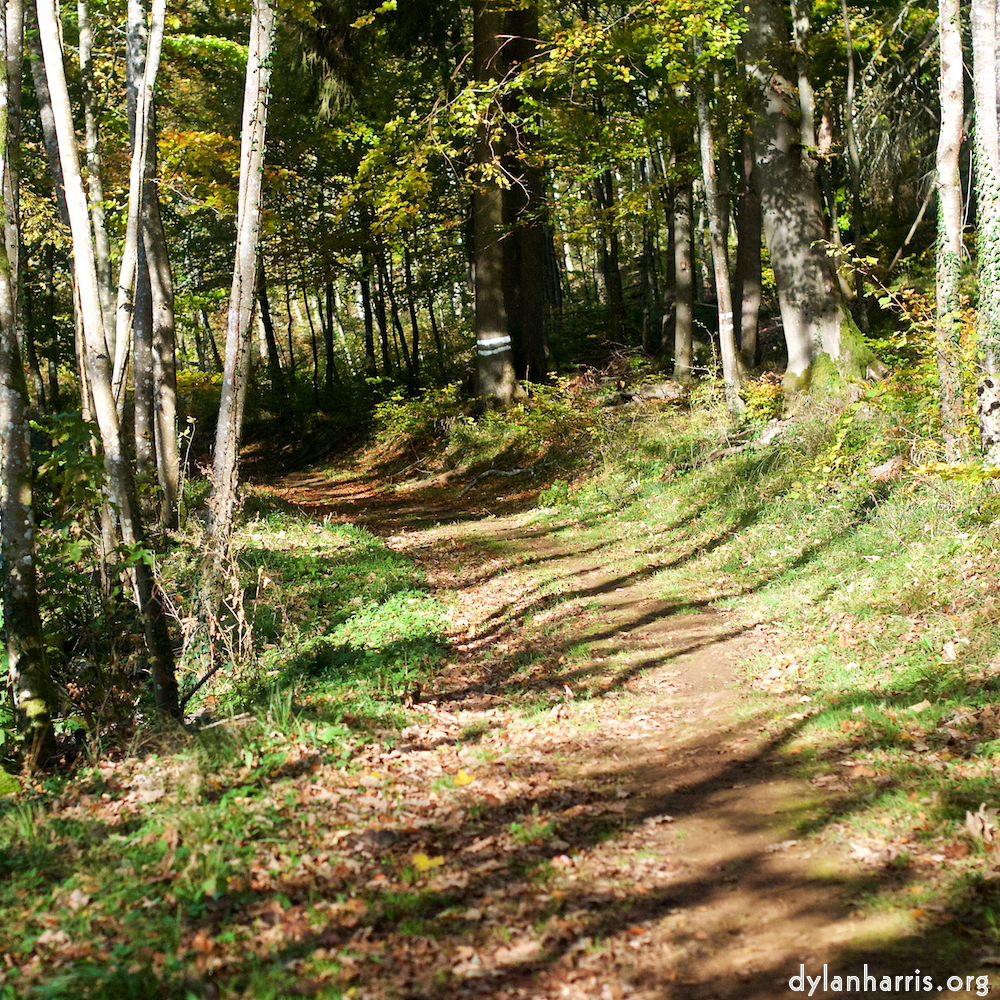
(549,824)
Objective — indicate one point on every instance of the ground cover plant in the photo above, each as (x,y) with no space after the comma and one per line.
(483,755)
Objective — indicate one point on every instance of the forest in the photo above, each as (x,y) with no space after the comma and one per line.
(498,499)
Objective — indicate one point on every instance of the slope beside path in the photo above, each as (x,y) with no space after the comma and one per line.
(611,812)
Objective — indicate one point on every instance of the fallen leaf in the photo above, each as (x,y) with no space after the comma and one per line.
(424,863)
(77,900)
(463,778)
(55,938)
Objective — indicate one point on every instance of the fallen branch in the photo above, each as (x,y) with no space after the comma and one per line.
(495,472)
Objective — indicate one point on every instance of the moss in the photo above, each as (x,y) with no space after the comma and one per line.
(857,359)
(829,378)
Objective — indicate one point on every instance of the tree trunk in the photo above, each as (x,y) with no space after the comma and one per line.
(164,333)
(987,148)
(811,310)
(142,370)
(950,225)
(494,357)
(98,370)
(412,308)
(326,321)
(683,284)
(718,236)
(236,376)
(854,158)
(371,365)
(143,69)
(525,211)
(747,286)
(34,699)
(95,183)
(436,334)
(273,360)
(45,117)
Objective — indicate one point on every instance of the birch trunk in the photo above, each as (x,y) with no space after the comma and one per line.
(236,374)
(95,183)
(949,242)
(34,698)
(98,368)
(718,235)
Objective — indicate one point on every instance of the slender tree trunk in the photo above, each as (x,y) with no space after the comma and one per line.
(494,357)
(397,326)
(683,284)
(236,376)
(718,236)
(45,117)
(807,99)
(412,308)
(383,325)
(98,369)
(949,242)
(326,322)
(436,334)
(164,334)
(854,158)
(95,183)
(142,305)
(273,360)
(52,341)
(142,73)
(33,694)
(987,148)
(314,345)
(747,286)
(371,365)
(142,371)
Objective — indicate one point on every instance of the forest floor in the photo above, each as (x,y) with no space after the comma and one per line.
(698,729)
(675,844)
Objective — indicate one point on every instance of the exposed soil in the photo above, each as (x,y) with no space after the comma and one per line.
(710,866)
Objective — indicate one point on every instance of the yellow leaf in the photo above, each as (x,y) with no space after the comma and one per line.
(463,778)
(423,863)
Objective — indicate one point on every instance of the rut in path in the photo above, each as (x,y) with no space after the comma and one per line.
(681,861)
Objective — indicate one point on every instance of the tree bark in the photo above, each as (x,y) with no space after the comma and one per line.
(811,310)
(987,150)
(164,337)
(683,283)
(371,365)
(34,699)
(718,236)
(412,309)
(273,360)
(95,183)
(140,132)
(494,357)
(236,375)
(948,327)
(97,367)
(854,159)
(524,261)
(747,286)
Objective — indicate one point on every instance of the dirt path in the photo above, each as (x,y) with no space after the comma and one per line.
(671,853)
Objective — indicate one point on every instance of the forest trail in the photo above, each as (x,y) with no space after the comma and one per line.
(676,850)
